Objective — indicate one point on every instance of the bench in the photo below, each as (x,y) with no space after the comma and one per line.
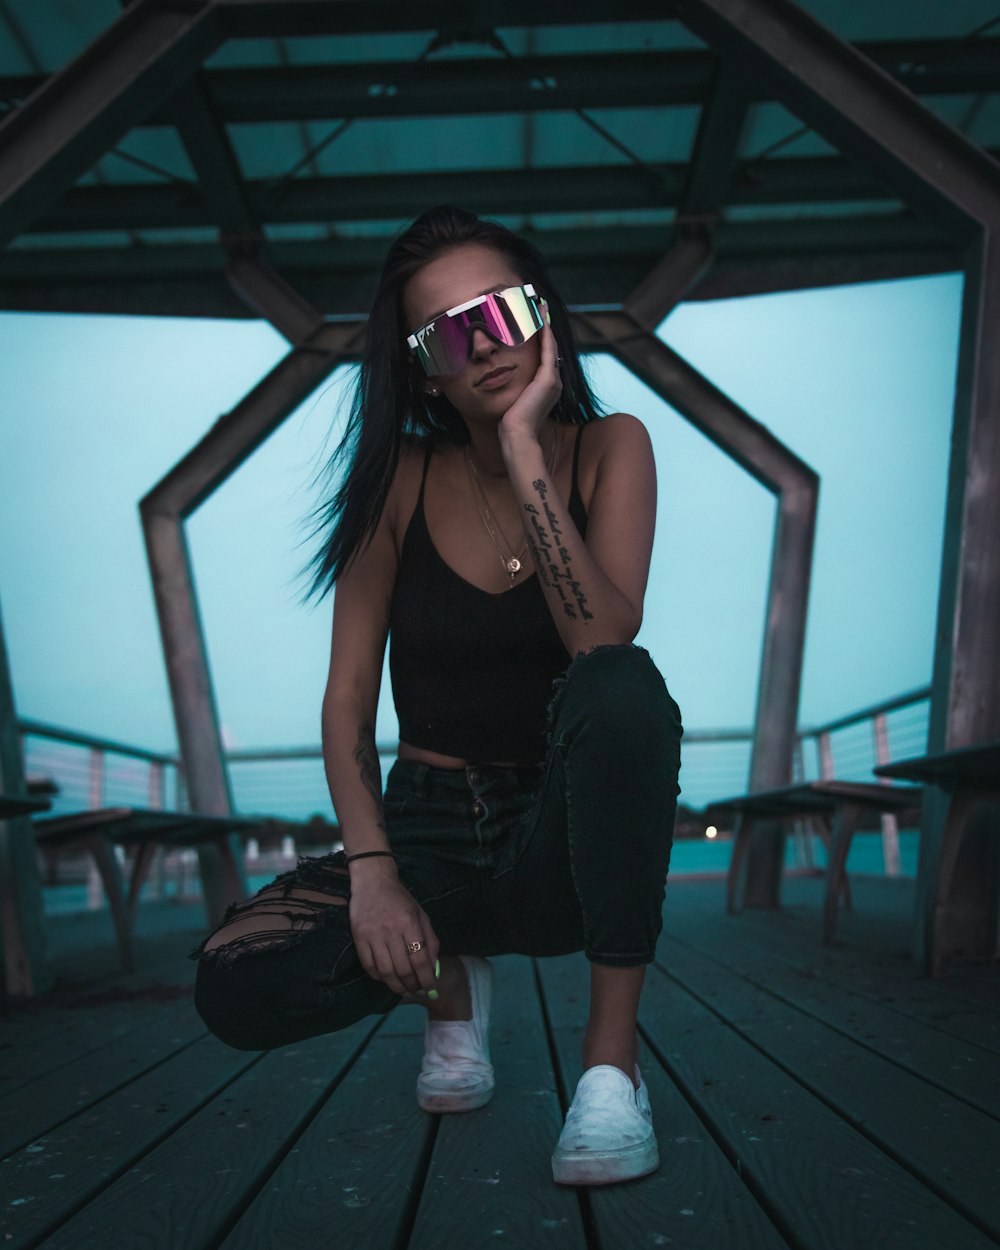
(957,881)
(99,831)
(12,805)
(834,808)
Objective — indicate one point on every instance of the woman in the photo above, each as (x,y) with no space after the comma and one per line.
(501,535)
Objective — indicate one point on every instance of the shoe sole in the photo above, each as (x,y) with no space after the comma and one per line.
(444,1104)
(593,1168)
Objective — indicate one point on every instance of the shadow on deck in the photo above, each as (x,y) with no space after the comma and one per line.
(823,1099)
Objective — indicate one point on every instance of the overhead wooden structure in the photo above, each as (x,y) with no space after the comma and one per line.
(250,157)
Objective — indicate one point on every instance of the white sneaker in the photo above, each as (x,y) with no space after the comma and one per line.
(457,1074)
(608,1135)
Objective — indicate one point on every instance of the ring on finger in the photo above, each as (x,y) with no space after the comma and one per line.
(414,947)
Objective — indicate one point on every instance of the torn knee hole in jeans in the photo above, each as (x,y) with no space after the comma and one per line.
(279,915)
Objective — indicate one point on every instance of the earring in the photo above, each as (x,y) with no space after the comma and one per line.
(433,391)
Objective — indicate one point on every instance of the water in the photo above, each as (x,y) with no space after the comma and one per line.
(711,855)
(689,856)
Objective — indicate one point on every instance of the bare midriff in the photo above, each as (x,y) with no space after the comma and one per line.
(436,760)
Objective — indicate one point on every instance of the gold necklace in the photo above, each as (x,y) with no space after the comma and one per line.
(511,561)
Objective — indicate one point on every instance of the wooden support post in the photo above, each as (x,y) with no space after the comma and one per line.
(958,886)
(24,965)
(230,441)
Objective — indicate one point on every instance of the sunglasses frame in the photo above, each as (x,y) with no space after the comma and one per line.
(415,340)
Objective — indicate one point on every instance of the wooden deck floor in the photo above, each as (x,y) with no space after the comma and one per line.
(803,1097)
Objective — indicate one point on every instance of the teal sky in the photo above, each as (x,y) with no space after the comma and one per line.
(858,381)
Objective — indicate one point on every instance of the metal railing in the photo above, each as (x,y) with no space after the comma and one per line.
(95,772)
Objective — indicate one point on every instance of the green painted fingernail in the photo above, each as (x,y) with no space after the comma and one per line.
(437,968)
(432,993)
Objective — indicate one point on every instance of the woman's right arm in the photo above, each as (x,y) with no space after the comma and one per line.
(384,915)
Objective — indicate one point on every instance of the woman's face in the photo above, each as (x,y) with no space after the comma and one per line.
(460,274)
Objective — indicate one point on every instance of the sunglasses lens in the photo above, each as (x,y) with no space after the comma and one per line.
(509,317)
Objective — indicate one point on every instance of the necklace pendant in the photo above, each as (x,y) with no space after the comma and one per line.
(513,566)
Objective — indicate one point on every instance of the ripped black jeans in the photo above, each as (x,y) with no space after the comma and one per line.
(568,855)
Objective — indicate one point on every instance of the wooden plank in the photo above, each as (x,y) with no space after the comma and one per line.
(49,1180)
(965,1071)
(54,1097)
(881,906)
(40,1047)
(885,982)
(809,797)
(975,766)
(696,1199)
(90,994)
(490,1178)
(821,1181)
(980,985)
(952,1148)
(353,1176)
(875,933)
(83,1020)
(198,1181)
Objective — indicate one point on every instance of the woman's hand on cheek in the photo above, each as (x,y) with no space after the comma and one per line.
(526,416)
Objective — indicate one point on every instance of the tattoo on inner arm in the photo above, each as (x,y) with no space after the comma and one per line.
(546,542)
(366,758)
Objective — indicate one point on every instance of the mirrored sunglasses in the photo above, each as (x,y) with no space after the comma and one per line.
(508,317)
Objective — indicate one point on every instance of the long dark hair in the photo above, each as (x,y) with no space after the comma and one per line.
(390,400)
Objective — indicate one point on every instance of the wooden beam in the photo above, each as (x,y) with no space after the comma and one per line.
(222,191)
(504,192)
(836,90)
(233,438)
(723,117)
(461,22)
(591,267)
(458,86)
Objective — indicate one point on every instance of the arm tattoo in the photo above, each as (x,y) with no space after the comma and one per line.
(547,542)
(366,758)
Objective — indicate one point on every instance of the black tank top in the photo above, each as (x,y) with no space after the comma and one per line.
(472,671)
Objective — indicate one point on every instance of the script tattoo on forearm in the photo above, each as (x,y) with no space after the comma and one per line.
(366,758)
(546,543)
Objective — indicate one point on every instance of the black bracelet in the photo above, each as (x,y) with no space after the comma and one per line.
(367,854)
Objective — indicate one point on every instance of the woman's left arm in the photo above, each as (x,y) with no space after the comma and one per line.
(594,589)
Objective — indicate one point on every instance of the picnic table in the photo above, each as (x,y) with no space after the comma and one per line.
(834,808)
(959,872)
(99,831)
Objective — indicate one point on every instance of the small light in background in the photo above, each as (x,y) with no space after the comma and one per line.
(711,832)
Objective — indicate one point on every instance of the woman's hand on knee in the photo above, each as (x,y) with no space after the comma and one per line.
(386,920)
